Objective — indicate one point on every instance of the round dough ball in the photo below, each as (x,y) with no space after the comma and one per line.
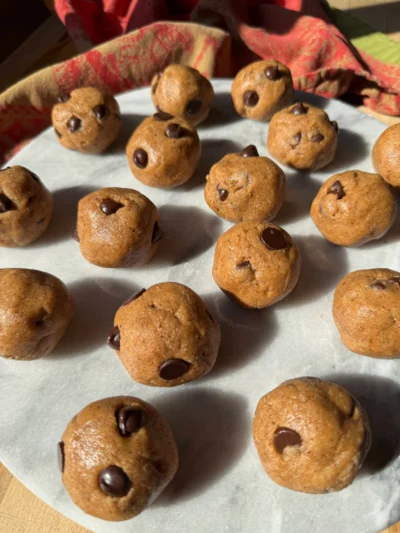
(26,207)
(311,435)
(164,151)
(353,208)
(183,92)
(261,89)
(386,155)
(86,120)
(35,310)
(303,137)
(366,310)
(118,228)
(245,186)
(256,263)
(116,456)
(165,336)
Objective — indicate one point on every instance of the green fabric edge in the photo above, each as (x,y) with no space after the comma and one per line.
(363,37)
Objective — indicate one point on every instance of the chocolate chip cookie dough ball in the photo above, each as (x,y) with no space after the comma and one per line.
(245,186)
(86,120)
(164,151)
(183,92)
(118,228)
(311,435)
(26,207)
(261,89)
(116,457)
(353,208)
(256,263)
(366,310)
(165,336)
(303,137)
(386,155)
(35,310)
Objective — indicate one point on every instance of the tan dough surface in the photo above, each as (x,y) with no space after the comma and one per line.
(386,155)
(333,431)
(366,310)
(92,442)
(353,208)
(35,310)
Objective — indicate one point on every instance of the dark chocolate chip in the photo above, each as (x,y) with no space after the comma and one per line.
(193,107)
(222,193)
(74,124)
(157,234)
(295,140)
(286,437)
(130,419)
(109,207)
(161,467)
(337,188)
(134,297)
(378,285)
(34,176)
(243,264)
(299,109)
(101,111)
(335,125)
(140,158)
(272,73)
(41,318)
(5,204)
(161,116)
(273,239)
(64,98)
(395,279)
(57,133)
(317,137)
(75,235)
(174,131)
(61,456)
(249,151)
(250,98)
(114,338)
(173,369)
(114,482)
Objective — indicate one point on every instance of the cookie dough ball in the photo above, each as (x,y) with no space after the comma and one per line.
(311,435)
(303,137)
(116,457)
(118,228)
(257,264)
(26,207)
(86,120)
(366,310)
(261,89)
(353,208)
(386,155)
(165,336)
(164,151)
(35,310)
(183,92)
(245,186)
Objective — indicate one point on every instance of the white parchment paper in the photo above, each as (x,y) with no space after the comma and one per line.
(220,485)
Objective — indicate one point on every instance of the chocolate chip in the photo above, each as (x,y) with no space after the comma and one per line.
(140,158)
(249,151)
(295,140)
(272,73)
(157,234)
(61,456)
(64,98)
(273,239)
(193,107)
(109,207)
(130,419)
(174,131)
(154,88)
(250,98)
(243,264)
(161,116)
(74,124)
(134,297)
(173,369)
(34,176)
(222,193)
(5,204)
(335,125)
(41,318)
(337,188)
(114,482)
(395,279)
(101,111)
(299,109)
(286,437)
(57,133)
(161,467)
(75,235)
(378,285)
(317,137)
(114,338)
